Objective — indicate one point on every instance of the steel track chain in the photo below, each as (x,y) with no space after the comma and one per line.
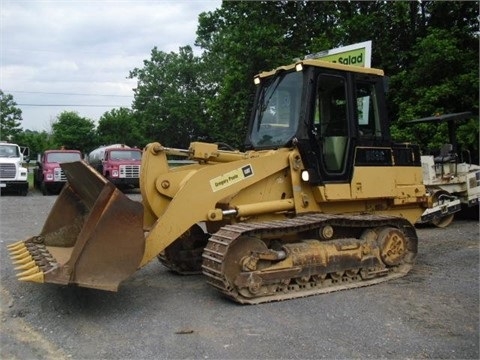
(219,244)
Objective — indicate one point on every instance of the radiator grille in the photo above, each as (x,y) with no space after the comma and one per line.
(7,171)
(59,175)
(130,171)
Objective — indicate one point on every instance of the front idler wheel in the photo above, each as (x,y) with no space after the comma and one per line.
(237,260)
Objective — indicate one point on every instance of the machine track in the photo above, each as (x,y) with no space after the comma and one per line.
(184,256)
(310,254)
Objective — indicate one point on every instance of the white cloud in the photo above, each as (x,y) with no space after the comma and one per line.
(85,47)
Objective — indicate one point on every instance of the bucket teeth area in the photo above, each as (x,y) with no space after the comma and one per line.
(19,251)
(22,254)
(33,260)
(33,270)
(26,266)
(15,246)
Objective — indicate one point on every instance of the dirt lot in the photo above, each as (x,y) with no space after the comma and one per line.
(431,313)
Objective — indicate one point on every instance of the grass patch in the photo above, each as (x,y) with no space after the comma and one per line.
(30,175)
(30,180)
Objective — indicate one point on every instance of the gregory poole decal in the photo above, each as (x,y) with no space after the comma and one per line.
(231,177)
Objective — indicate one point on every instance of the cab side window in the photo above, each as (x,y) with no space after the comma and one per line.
(367,111)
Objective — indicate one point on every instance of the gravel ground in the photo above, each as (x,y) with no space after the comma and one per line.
(433,312)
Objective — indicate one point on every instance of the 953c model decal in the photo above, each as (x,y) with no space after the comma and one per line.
(232,177)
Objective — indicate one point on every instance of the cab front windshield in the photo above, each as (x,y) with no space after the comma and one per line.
(126,155)
(278,110)
(63,157)
(10,151)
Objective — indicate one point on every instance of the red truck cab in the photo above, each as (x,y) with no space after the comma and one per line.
(119,164)
(48,176)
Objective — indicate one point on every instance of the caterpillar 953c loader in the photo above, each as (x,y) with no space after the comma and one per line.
(321,200)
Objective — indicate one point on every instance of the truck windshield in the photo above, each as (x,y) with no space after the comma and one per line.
(10,151)
(63,157)
(126,155)
(278,110)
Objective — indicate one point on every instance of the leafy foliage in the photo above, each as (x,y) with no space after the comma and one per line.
(74,132)
(120,126)
(441,82)
(244,38)
(170,98)
(36,141)
(429,49)
(10,117)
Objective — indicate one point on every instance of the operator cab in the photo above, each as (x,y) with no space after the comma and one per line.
(334,114)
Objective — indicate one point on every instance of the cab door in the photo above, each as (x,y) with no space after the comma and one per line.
(332,126)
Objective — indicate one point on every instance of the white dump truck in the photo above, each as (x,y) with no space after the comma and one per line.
(13,176)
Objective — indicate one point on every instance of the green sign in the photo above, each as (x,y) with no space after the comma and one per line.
(357,54)
(353,57)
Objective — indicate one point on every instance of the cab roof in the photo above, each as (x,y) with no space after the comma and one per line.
(60,151)
(323,64)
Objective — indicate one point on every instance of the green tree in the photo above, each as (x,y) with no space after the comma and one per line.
(36,141)
(74,132)
(170,97)
(10,117)
(120,126)
(244,38)
(444,80)
(240,39)
(412,41)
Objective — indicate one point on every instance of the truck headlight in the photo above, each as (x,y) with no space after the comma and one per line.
(114,173)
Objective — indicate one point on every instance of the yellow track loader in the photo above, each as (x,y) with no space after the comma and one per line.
(321,200)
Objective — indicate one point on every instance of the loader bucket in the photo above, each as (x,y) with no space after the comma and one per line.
(93,236)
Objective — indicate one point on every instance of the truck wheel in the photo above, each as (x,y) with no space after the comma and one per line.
(44,189)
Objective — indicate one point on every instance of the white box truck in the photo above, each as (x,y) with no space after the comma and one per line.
(13,176)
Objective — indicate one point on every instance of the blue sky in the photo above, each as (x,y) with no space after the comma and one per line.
(80,52)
